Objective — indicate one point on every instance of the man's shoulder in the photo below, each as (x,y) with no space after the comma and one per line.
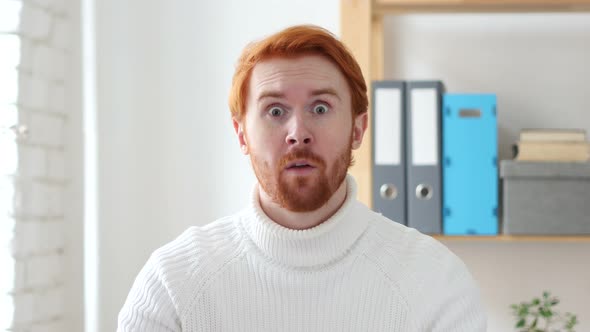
(183,267)
(401,238)
(437,286)
(199,251)
(185,264)
(403,250)
(429,276)
(212,239)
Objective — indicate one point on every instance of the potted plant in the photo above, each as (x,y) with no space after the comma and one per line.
(540,315)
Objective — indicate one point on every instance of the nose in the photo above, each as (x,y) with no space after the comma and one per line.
(299,132)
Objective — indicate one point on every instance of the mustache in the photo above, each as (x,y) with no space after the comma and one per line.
(301,154)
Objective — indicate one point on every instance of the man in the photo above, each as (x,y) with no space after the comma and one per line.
(305,255)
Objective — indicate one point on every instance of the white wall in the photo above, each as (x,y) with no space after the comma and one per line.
(167,155)
(39,245)
(538,66)
(168,158)
(514,272)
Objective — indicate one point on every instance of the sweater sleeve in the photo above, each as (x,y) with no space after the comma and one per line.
(449,297)
(149,306)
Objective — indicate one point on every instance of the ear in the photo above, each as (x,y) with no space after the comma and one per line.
(359,127)
(239,128)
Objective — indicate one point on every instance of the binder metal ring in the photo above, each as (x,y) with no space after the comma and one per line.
(388,191)
(423,191)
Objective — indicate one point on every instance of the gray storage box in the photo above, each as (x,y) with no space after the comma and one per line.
(545,198)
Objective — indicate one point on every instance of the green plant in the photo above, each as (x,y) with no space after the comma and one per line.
(540,315)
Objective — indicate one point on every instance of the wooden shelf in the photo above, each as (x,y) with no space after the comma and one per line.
(361,29)
(384,7)
(516,238)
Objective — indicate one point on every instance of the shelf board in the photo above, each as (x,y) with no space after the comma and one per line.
(516,238)
(384,7)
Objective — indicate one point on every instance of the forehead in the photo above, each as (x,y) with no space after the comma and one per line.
(312,71)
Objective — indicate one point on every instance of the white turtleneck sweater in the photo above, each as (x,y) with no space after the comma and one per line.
(357,271)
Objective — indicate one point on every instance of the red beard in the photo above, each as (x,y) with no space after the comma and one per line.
(302,193)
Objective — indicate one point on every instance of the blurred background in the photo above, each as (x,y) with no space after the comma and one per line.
(116,137)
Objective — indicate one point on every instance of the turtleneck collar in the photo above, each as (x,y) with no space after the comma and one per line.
(311,247)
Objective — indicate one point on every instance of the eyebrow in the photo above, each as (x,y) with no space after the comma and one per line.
(276,94)
(326,91)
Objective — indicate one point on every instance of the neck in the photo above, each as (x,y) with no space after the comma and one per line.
(302,220)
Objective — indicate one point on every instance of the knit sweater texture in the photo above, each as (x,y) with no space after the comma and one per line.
(357,271)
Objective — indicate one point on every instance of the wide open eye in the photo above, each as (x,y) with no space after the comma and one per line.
(320,109)
(276,111)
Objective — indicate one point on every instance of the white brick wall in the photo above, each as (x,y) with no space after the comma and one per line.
(45,130)
(38,238)
(37,209)
(57,99)
(35,22)
(33,92)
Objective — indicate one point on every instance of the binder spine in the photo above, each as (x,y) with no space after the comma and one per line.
(388,154)
(423,155)
(470,170)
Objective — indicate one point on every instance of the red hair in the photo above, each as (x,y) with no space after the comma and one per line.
(293,42)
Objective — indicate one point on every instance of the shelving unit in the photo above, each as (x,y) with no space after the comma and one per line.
(361,28)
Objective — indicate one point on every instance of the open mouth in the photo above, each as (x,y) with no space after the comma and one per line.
(300,164)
